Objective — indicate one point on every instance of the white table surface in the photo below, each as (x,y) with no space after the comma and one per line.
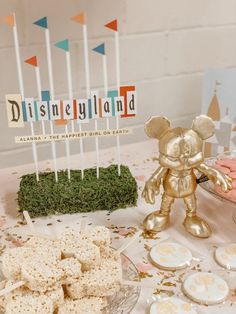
(139,157)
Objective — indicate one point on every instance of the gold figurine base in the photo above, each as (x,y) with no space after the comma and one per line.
(196,226)
(156,222)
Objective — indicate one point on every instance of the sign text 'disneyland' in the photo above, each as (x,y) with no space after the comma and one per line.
(82,110)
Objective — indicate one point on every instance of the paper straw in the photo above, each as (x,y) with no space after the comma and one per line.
(86,58)
(81,152)
(104,62)
(68,153)
(69,80)
(39,89)
(64,45)
(83,225)
(51,84)
(87,80)
(21,86)
(117,49)
(87,76)
(35,155)
(29,221)
(97,148)
(11,288)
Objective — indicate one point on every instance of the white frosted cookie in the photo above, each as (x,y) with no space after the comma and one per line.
(171,256)
(171,306)
(226,256)
(206,288)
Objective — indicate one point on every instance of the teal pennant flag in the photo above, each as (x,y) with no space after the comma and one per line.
(42,22)
(63,44)
(100,49)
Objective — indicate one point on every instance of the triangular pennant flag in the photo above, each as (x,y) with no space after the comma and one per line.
(79,18)
(32,61)
(100,49)
(9,20)
(43,22)
(63,44)
(112,25)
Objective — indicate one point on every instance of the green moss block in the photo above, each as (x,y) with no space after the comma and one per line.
(47,197)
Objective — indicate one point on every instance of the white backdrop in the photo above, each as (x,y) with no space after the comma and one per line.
(165,47)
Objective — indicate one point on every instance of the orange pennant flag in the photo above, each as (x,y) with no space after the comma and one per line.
(79,18)
(32,61)
(61,121)
(9,20)
(112,25)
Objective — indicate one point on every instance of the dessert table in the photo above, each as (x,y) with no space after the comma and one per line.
(124,223)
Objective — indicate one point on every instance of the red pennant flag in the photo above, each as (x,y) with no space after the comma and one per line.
(9,20)
(79,18)
(32,61)
(112,25)
(123,92)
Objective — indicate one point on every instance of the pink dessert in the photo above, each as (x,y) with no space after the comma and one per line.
(227,165)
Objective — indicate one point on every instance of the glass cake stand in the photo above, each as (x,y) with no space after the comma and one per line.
(210,187)
(125,300)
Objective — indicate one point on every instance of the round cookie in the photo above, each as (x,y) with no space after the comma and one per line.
(171,256)
(205,288)
(225,256)
(171,306)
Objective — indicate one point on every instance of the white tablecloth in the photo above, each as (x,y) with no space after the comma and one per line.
(139,157)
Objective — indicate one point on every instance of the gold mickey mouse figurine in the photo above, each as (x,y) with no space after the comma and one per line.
(180,153)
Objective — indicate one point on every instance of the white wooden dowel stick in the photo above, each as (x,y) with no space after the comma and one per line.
(67,153)
(18,60)
(29,221)
(22,92)
(86,59)
(64,45)
(81,144)
(97,148)
(87,79)
(70,94)
(39,89)
(53,147)
(117,49)
(81,19)
(69,81)
(118,146)
(49,60)
(35,155)
(126,245)
(11,288)
(83,225)
(51,84)
(104,61)
(54,154)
